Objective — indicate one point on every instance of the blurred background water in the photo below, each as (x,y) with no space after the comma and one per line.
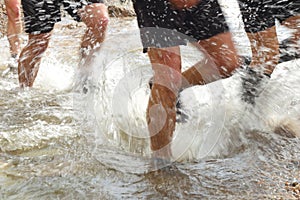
(58,143)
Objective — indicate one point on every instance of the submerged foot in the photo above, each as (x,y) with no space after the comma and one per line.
(288,50)
(158,164)
(84,83)
(181,116)
(11,65)
(253,83)
(81,85)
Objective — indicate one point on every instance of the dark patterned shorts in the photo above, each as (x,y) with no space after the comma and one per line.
(161,25)
(259,15)
(40,16)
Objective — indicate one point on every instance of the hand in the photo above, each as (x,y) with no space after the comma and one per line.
(182,4)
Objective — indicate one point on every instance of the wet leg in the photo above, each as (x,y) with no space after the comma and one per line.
(161,113)
(265,49)
(30,58)
(14,26)
(220,61)
(96,18)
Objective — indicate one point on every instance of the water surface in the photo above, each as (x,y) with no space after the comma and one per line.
(58,143)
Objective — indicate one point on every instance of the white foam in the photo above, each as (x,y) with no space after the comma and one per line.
(280,102)
(55,75)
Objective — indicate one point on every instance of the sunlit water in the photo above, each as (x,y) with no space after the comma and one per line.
(58,143)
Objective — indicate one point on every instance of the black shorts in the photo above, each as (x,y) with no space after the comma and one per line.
(259,15)
(40,16)
(161,25)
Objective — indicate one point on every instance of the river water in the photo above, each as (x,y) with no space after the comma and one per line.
(59,143)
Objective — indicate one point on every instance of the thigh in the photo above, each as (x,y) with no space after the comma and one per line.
(221,49)
(205,20)
(40,16)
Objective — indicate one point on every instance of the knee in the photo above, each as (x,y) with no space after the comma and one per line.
(13,9)
(95,16)
(228,64)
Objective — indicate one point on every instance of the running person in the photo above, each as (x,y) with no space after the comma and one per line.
(40,18)
(259,19)
(164,25)
(14,26)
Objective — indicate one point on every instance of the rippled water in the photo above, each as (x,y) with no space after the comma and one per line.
(57,143)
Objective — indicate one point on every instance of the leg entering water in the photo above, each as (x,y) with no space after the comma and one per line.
(161,113)
(14,26)
(30,58)
(96,18)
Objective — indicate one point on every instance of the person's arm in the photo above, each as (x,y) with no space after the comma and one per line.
(181,4)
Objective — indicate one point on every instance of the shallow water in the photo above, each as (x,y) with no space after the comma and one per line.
(57,143)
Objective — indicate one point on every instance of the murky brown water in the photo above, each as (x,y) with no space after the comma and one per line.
(52,147)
